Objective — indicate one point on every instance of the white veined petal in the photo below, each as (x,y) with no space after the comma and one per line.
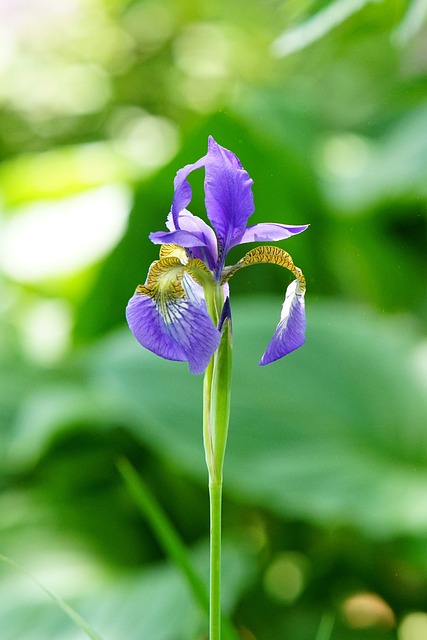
(290,332)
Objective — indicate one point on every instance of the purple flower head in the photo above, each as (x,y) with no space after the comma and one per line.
(177,313)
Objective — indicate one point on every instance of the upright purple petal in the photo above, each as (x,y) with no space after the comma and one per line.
(228,195)
(180,330)
(270,232)
(182,189)
(290,332)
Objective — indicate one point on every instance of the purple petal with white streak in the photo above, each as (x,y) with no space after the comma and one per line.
(184,331)
(290,332)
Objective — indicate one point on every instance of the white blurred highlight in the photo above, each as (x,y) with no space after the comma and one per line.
(50,239)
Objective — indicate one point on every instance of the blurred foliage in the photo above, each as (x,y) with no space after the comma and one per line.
(325,103)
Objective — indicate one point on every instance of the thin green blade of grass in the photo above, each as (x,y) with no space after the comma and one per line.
(325,627)
(71,613)
(169,539)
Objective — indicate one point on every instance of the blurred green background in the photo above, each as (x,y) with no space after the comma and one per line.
(325,514)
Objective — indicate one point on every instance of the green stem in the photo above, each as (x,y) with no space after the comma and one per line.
(207,422)
(215,495)
(216,411)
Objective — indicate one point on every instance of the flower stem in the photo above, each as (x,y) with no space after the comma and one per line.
(215,494)
(216,412)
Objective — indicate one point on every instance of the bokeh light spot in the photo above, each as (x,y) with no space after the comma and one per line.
(285,578)
(345,156)
(149,141)
(202,51)
(365,610)
(149,23)
(413,626)
(54,89)
(45,329)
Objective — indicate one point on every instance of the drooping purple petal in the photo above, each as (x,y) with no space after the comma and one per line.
(270,232)
(228,195)
(290,332)
(180,330)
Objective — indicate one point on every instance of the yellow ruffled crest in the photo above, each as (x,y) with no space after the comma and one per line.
(164,284)
(266,254)
(164,281)
(173,251)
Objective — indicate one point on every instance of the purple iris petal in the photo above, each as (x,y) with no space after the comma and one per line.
(290,332)
(182,331)
(270,232)
(183,238)
(228,196)
(182,189)
(193,233)
(197,226)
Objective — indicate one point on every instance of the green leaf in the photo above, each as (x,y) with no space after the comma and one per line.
(395,168)
(317,26)
(334,432)
(412,21)
(154,603)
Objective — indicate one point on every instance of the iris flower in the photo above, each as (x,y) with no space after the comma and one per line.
(179,311)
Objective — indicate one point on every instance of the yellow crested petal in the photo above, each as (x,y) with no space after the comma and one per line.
(266,254)
(164,281)
(173,251)
(168,315)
